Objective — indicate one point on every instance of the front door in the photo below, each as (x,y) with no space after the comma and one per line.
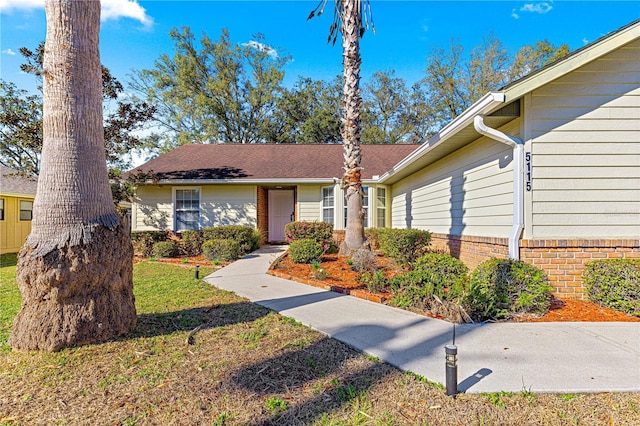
(281,212)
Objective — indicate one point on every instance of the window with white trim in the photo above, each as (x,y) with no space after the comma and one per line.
(1,208)
(365,207)
(26,210)
(328,204)
(381,207)
(187,209)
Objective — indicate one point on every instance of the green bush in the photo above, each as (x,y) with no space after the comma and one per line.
(143,241)
(247,237)
(375,281)
(305,251)
(500,288)
(447,274)
(165,249)
(614,283)
(411,289)
(320,232)
(191,243)
(226,250)
(404,245)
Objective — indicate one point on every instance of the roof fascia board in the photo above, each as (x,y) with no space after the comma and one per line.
(483,106)
(563,67)
(241,181)
(17,194)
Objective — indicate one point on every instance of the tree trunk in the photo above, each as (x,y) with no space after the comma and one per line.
(351,182)
(75,270)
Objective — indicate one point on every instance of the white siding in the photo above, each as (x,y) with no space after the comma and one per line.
(229,205)
(585,139)
(220,205)
(309,203)
(152,209)
(466,193)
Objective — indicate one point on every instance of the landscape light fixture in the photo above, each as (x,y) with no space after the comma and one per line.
(197,271)
(451,366)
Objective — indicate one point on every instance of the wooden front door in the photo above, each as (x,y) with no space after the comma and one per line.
(281,212)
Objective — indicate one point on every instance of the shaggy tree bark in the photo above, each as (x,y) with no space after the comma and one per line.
(351,181)
(75,270)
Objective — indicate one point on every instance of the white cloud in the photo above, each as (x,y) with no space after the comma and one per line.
(262,47)
(536,7)
(514,14)
(115,9)
(585,41)
(9,52)
(6,5)
(111,9)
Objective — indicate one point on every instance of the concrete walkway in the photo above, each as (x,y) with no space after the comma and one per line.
(541,357)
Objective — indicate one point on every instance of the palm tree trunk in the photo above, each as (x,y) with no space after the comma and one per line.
(351,181)
(75,270)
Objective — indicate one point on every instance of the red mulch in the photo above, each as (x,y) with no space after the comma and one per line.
(342,277)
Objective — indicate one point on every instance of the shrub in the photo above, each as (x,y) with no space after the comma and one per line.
(226,250)
(375,281)
(165,249)
(447,274)
(363,260)
(404,245)
(411,289)
(305,251)
(247,237)
(499,288)
(191,243)
(320,232)
(614,283)
(143,241)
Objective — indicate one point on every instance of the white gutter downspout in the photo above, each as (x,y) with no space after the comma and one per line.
(518,180)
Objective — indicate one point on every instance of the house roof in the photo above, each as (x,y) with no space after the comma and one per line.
(13,183)
(495,106)
(267,162)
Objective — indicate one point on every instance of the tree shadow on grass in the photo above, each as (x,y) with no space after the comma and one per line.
(205,317)
(292,370)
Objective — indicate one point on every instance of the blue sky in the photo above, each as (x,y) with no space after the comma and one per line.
(134,34)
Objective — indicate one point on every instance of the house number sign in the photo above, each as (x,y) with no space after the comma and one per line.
(527,162)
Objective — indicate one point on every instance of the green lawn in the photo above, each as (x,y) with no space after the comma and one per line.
(203,356)
(9,297)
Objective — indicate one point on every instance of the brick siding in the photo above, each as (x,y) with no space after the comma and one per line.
(470,249)
(263,211)
(563,260)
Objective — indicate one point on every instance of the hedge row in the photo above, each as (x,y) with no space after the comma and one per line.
(212,242)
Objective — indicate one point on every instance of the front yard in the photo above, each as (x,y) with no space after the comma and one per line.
(246,365)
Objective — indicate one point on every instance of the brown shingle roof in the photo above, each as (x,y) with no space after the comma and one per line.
(227,161)
(11,182)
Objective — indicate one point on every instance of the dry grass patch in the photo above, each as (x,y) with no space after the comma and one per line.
(247,365)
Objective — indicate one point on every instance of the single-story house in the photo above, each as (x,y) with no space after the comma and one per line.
(265,186)
(17,193)
(546,170)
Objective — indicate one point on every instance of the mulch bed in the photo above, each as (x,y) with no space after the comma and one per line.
(343,280)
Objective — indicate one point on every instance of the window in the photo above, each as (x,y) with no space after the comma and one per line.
(26,210)
(1,208)
(187,209)
(328,203)
(381,207)
(365,207)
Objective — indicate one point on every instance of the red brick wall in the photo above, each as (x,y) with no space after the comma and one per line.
(263,212)
(564,260)
(470,249)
